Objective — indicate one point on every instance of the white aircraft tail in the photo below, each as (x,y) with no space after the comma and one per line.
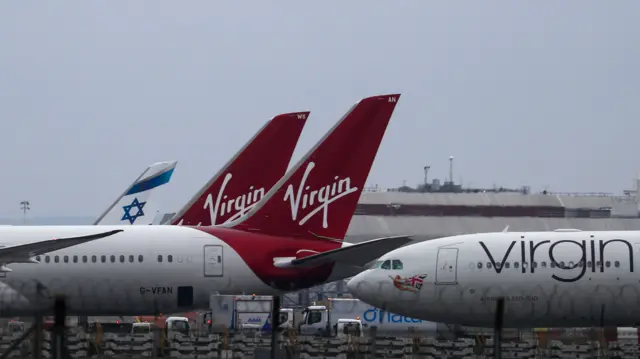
(132,206)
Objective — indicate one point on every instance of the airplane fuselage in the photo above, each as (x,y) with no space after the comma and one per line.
(560,279)
(151,269)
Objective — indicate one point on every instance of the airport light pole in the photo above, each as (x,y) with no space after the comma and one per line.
(426,178)
(451,170)
(25,206)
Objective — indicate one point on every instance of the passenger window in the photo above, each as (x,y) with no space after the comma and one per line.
(160,258)
(516,265)
(130,258)
(56,259)
(169,258)
(386,265)
(534,264)
(397,264)
(94,259)
(121,258)
(103,258)
(570,264)
(607,264)
(524,265)
(553,264)
(84,259)
(489,265)
(47,259)
(562,265)
(616,263)
(75,259)
(140,258)
(113,258)
(66,259)
(544,264)
(498,265)
(506,265)
(589,263)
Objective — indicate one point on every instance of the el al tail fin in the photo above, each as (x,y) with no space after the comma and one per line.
(318,196)
(134,206)
(248,176)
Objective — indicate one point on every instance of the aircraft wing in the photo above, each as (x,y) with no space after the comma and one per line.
(22,252)
(356,255)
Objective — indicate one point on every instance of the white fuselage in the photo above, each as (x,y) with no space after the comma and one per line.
(142,270)
(561,279)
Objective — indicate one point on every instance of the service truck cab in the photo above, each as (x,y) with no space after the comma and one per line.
(348,327)
(140,328)
(177,325)
(317,320)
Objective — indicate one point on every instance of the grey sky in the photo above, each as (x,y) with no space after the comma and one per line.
(538,93)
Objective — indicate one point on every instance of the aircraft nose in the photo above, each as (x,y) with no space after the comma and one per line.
(352,284)
(357,286)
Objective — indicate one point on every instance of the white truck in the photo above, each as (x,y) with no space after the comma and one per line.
(321,318)
(251,312)
(247,312)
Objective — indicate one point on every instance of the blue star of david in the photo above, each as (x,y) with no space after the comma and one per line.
(127,211)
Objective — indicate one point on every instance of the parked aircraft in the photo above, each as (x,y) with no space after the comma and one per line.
(292,239)
(564,278)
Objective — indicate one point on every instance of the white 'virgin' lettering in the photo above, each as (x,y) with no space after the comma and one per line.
(304,197)
(240,205)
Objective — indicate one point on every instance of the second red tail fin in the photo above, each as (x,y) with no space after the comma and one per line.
(245,179)
(317,197)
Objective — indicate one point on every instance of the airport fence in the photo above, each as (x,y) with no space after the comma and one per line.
(292,345)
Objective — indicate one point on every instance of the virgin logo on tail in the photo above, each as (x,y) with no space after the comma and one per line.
(316,199)
(240,205)
(223,206)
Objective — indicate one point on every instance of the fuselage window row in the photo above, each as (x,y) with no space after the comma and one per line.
(543,264)
(94,259)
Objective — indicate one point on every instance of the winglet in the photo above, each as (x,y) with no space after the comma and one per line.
(248,175)
(317,197)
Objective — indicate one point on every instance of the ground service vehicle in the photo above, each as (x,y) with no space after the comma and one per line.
(321,317)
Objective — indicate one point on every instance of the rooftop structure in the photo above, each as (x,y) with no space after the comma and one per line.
(376,201)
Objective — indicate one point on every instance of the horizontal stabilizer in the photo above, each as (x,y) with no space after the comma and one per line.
(356,255)
(22,252)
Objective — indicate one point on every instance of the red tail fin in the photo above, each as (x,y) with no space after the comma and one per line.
(245,179)
(317,197)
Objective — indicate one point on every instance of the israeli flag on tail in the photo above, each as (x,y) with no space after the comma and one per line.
(134,206)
